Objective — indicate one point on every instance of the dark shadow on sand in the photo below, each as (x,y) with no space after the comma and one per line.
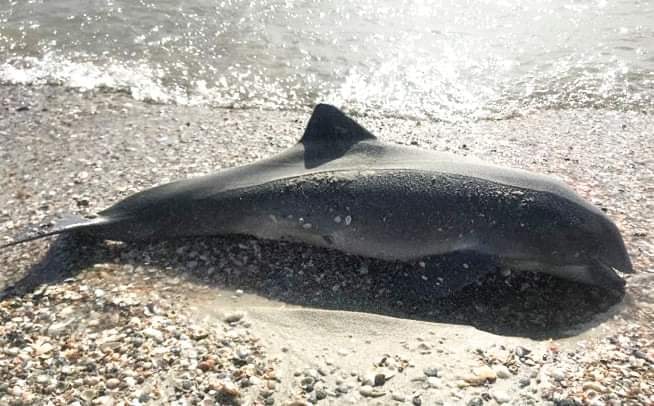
(524,304)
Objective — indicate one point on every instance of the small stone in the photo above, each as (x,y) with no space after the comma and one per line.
(56,329)
(321,393)
(344,388)
(431,371)
(207,365)
(502,371)
(153,333)
(230,389)
(558,374)
(476,401)
(44,348)
(370,392)
(242,352)
(234,317)
(501,396)
(42,379)
(380,379)
(104,401)
(143,396)
(307,383)
(348,220)
(594,386)
(89,394)
(112,383)
(433,382)
(480,375)
(12,351)
(398,397)
(239,292)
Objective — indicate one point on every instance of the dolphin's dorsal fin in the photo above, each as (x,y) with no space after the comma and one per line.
(329,125)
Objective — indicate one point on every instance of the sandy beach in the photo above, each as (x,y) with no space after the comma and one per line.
(235,320)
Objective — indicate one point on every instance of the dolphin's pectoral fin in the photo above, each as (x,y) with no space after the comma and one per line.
(449,273)
(329,135)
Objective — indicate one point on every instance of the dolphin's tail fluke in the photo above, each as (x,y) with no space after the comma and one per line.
(67,224)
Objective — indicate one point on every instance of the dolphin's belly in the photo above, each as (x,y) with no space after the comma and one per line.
(398,215)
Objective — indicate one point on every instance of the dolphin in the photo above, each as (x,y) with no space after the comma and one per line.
(340,187)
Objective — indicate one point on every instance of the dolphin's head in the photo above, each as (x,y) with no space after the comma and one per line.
(564,235)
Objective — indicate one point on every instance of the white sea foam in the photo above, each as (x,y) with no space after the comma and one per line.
(139,80)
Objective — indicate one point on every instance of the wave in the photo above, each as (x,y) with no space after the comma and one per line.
(436,92)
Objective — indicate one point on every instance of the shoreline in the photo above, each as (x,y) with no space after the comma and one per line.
(78,153)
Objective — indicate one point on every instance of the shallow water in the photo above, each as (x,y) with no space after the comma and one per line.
(444,60)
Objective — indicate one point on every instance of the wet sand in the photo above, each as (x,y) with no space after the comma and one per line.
(282,322)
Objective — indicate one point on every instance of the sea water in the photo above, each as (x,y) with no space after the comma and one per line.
(441,60)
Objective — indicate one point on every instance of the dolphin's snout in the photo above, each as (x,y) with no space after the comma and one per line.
(613,252)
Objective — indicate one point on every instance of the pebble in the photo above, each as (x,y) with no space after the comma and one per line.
(104,401)
(594,386)
(44,348)
(344,388)
(230,389)
(481,375)
(297,402)
(234,317)
(369,391)
(502,371)
(500,396)
(377,378)
(242,352)
(112,383)
(558,374)
(431,371)
(89,394)
(476,401)
(42,379)
(154,334)
(59,328)
(398,397)
(433,382)
(321,393)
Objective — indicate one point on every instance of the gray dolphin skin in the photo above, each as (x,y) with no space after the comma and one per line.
(341,188)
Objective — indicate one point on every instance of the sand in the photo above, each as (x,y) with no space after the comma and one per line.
(264,322)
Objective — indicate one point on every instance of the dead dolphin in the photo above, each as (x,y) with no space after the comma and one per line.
(341,188)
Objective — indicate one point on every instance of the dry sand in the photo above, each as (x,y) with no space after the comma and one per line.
(237,320)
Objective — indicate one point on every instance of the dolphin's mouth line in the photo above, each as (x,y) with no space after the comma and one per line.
(604,265)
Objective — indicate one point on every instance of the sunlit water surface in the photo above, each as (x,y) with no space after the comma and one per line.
(441,60)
